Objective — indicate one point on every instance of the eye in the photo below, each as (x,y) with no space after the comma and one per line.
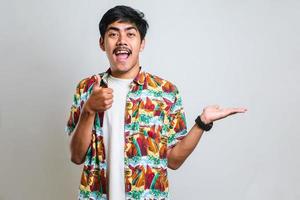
(131,35)
(112,34)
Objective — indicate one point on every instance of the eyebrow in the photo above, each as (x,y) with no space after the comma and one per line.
(118,29)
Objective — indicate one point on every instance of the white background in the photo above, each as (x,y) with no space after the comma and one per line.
(233,53)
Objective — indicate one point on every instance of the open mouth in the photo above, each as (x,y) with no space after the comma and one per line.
(122,53)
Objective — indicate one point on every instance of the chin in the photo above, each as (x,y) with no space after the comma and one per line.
(122,67)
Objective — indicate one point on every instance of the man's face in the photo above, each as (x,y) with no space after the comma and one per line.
(122,44)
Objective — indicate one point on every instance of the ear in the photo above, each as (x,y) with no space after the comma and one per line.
(101,44)
(142,45)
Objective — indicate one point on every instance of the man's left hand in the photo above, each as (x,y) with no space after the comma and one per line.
(214,112)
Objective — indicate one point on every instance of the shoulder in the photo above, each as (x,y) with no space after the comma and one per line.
(85,84)
(159,83)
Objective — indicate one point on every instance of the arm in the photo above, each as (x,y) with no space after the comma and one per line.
(178,154)
(100,100)
(82,136)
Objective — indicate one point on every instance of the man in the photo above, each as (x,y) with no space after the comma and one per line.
(128,125)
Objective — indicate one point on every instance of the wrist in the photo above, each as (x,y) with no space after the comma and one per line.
(203,123)
(87,110)
(204,119)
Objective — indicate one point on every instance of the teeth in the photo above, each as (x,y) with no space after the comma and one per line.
(119,52)
(122,52)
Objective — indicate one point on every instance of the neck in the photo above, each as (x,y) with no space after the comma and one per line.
(130,74)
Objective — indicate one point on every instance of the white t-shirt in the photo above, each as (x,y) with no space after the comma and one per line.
(113,130)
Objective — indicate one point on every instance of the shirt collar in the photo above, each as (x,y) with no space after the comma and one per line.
(139,78)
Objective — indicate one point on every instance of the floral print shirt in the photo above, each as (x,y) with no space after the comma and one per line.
(154,122)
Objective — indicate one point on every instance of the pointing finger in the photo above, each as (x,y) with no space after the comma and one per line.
(98,81)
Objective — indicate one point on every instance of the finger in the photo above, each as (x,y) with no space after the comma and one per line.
(107,90)
(231,111)
(216,106)
(168,152)
(238,110)
(108,101)
(98,81)
(108,96)
(108,106)
(101,95)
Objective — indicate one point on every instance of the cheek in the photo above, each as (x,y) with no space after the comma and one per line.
(135,54)
(137,48)
(109,49)
(109,46)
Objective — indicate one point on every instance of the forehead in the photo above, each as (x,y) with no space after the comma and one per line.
(117,25)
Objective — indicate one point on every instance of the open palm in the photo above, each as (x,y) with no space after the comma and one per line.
(214,112)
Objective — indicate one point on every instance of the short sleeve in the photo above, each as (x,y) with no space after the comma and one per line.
(75,111)
(82,93)
(177,121)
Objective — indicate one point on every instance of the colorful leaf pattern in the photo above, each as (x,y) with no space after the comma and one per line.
(154,121)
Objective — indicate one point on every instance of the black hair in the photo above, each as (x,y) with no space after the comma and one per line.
(124,14)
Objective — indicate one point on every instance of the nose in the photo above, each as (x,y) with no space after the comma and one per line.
(122,40)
